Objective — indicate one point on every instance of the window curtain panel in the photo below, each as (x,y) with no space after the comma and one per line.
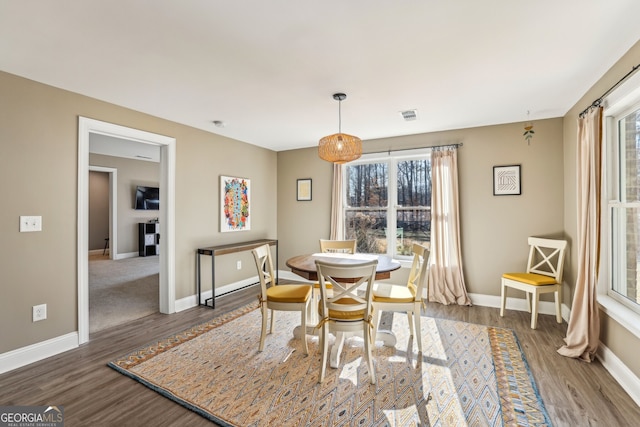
(446,279)
(583,332)
(337,219)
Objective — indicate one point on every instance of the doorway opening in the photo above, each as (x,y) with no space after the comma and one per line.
(87,127)
(122,286)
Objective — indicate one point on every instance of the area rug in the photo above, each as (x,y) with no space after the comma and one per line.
(468,375)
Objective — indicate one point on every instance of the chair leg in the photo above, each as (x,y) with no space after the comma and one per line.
(375,319)
(410,323)
(529,301)
(311,313)
(417,326)
(273,317)
(367,349)
(558,295)
(503,299)
(303,332)
(263,331)
(534,311)
(324,343)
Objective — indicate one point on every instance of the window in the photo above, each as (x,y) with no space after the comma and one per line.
(624,207)
(388,202)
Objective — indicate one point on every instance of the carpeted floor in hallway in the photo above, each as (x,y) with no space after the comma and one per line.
(121,290)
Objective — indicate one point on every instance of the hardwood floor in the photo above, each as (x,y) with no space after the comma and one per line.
(575,393)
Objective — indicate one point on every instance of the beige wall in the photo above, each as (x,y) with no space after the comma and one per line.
(131,173)
(494,228)
(98,209)
(38,176)
(625,345)
(302,223)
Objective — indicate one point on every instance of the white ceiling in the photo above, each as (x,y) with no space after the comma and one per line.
(111,146)
(268,69)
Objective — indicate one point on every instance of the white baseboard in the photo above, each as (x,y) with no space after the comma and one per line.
(126,255)
(26,355)
(192,301)
(519,304)
(619,371)
(116,256)
(288,275)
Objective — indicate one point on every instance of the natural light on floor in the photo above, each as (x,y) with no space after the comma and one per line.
(440,378)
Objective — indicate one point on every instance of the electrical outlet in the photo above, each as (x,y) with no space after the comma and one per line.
(30,223)
(39,312)
(239,265)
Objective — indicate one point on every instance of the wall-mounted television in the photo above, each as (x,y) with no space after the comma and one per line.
(147,198)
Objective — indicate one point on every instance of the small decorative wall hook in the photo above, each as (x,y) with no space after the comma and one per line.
(528,130)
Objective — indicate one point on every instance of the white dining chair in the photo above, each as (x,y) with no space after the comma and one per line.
(338,246)
(283,297)
(543,275)
(346,306)
(405,298)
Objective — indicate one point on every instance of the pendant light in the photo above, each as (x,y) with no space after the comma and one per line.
(340,147)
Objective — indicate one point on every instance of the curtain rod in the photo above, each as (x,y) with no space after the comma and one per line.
(457,144)
(598,101)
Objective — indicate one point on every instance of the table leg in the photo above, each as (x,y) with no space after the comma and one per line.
(213,281)
(388,338)
(198,278)
(336,349)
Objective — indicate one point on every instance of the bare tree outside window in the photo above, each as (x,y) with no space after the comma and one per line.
(380,226)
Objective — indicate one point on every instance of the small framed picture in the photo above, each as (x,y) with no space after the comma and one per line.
(304,189)
(506,180)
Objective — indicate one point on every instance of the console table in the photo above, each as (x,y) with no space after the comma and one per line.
(212,251)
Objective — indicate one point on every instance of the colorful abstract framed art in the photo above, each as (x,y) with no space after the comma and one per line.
(235,202)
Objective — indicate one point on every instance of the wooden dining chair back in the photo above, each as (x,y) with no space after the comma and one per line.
(338,246)
(542,275)
(335,247)
(345,306)
(279,297)
(405,298)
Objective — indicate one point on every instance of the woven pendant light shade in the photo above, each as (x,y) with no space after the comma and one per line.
(340,147)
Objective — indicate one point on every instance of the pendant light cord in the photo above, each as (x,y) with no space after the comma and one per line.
(340,116)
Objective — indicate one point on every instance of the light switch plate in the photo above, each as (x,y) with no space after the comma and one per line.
(30,223)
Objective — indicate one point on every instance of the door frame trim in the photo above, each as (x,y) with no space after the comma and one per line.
(87,126)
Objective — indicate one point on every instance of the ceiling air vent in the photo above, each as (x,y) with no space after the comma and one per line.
(409,115)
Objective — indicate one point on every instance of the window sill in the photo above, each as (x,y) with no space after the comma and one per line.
(404,263)
(626,317)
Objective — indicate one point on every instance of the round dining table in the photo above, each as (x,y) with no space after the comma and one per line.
(305,266)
